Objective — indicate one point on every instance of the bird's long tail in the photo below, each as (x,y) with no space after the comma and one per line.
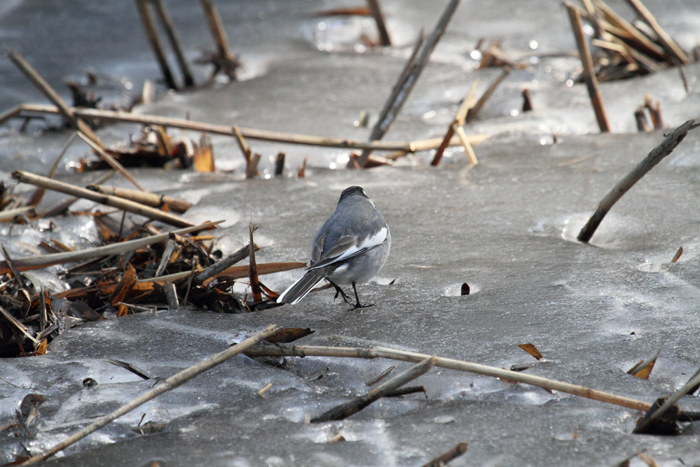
(303,286)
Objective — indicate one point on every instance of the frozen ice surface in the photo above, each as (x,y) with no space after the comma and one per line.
(506,227)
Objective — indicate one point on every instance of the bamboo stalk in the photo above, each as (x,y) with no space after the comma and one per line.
(263,135)
(434,143)
(110,160)
(171,383)
(409,78)
(149,27)
(353,406)
(376,11)
(655,156)
(174,39)
(143,197)
(588,70)
(36,262)
(667,42)
(108,200)
(10,214)
(383,352)
(52,95)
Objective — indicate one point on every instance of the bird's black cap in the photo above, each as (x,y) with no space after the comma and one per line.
(353,190)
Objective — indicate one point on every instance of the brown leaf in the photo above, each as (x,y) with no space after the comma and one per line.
(532,350)
(646,370)
(124,286)
(286,335)
(41,348)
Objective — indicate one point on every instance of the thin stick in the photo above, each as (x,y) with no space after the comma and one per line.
(253,273)
(383,352)
(144,197)
(666,41)
(169,26)
(353,406)
(18,325)
(473,112)
(225,263)
(39,192)
(279,164)
(169,384)
(235,272)
(448,457)
(459,120)
(588,71)
(151,34)
(379,19)
(409,79)
(110,160)
(15,272)
(217,30)
(37,262)
(245,149)
(655,156)
(250,133)
(108,200)
(52,95)
(10,114)
(262,391)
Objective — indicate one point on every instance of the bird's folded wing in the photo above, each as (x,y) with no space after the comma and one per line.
(347,247)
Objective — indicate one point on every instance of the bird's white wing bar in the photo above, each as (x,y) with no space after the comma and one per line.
(370,242)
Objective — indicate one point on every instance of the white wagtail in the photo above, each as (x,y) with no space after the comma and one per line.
(351,247)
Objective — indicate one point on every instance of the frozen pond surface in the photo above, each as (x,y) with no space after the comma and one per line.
(506,226)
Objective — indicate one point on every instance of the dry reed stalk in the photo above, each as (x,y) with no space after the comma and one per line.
(149,27)
(383,352)
(120,203)
(588,70)
(169,384)
(655,156)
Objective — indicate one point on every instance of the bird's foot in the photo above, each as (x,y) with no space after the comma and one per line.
(339,291)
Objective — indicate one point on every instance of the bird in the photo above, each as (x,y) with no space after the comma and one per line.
(350,248)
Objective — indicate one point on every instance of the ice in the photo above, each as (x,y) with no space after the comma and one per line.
(507,227)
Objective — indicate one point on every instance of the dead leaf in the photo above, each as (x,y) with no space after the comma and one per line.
(286,335)
(532,350)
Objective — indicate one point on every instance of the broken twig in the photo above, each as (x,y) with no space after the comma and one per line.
(655,156)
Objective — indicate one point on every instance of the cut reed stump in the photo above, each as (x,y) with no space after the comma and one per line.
(655,156)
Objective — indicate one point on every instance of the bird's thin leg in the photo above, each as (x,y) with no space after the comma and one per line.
(339,291)
(358,304)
